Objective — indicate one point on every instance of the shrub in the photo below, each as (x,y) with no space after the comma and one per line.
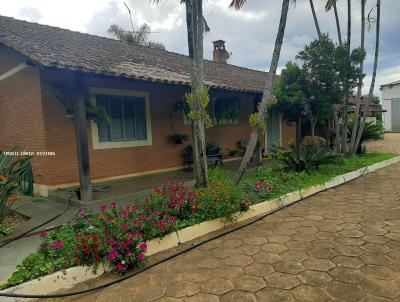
(116,235)
(11,172)
(372,131)
(220,199)
(310,157)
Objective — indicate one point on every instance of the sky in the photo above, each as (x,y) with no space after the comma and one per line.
(249,33)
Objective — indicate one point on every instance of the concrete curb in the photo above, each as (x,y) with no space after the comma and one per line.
(72,276)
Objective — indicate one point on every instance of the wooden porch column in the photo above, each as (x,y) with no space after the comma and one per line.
(82,140)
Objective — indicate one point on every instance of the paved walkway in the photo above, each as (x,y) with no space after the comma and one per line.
(390,143)
(339,245)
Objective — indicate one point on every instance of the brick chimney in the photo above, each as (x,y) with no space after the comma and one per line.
(220,54)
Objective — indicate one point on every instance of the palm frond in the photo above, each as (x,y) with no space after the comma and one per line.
(237,4)
(329,4)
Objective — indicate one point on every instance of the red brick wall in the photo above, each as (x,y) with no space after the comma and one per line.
(113,162)
(33,116)
(21,111)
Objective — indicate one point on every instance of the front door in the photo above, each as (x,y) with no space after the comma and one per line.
(395,115)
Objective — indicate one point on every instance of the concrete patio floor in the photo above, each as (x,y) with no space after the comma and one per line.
(339,245)
(126,190)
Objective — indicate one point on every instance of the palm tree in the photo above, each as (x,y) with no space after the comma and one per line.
(372,86)
(358,100)
(262,109)
(139,37)
(197,80)
(329,5)
(345,113)
(315,19)
(196,25)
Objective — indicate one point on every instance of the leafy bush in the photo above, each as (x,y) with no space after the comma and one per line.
(11,172)
(221,199)
(4,230)
(372,131)
(310,157)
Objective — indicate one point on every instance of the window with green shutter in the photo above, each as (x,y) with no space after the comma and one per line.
(128,118)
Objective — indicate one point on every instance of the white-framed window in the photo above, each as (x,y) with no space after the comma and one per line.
(130,118)
(222,111)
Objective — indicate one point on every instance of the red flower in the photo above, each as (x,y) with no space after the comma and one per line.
(143,246)
(141,256)
(43,234)
(103,208)
(106,232)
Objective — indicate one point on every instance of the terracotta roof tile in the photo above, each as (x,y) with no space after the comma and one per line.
(55,47)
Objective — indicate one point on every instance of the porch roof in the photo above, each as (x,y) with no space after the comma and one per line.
(54,47)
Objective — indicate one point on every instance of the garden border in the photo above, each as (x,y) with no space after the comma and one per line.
(74,275)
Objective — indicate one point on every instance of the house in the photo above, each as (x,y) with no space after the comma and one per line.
(46,73)
(391,103)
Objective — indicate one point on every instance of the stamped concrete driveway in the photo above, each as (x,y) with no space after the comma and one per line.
(339,245)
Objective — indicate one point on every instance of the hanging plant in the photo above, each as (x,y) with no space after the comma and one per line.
(97,113)
(177,138)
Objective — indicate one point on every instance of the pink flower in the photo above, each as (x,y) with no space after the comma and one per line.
(112,255)
(43,234)
(57,245)
(106,232)
(120,266)
(122,245)
(141,256)
(143,246)
(113,205)
(103,208)
(124,226)
(137,234)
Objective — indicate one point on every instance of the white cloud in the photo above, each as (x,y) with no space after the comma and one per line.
(250,32)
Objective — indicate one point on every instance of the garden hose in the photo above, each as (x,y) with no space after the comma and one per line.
(30,233)
(67,206)
(130,275)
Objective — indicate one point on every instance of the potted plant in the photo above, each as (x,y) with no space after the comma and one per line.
(177,138)
(97,113)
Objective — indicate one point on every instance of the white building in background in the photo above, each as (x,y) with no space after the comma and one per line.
(391,103)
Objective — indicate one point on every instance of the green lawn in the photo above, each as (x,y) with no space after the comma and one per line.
(283,182)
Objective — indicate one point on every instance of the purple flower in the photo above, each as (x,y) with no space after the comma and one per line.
(304,113)
(57,245)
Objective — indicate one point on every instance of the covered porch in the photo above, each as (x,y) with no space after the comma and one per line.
(127,190)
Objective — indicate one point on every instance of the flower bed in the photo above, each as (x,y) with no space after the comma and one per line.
(118,234)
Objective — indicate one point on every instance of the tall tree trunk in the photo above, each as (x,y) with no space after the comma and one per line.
(348,24)
(345,117)
(315,19)
(360,82)
(198,85)
(337,131)
(339,32)
(189,27)
(298,132)
(262,109)
(371,88)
